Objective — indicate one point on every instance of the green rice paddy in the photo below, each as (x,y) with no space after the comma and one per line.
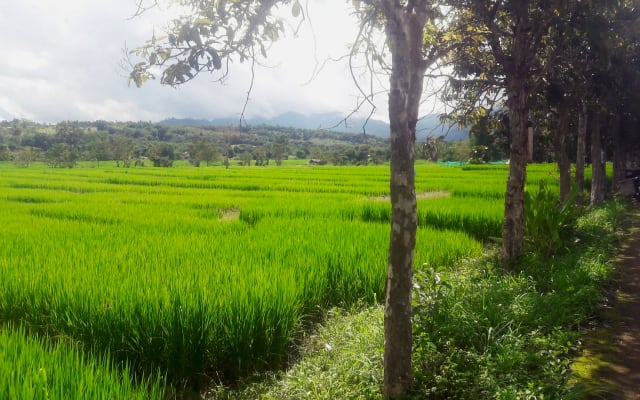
(200,274)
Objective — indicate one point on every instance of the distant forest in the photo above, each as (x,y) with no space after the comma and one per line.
(160,144)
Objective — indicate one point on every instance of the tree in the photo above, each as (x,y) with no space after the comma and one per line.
(429,149)
(456,151)
(506,54)
(566,92)
(279,148)
(581,148)
(614,41)
(121,149)
(62,155)
(492,132)
(201,150)
(25,156)
(245,158)
(162,155)
(5,154)
(598,173)
(260,156)
(560,101)
(97,148)
(584,58)
(70,133)
(213,33)
(39,140)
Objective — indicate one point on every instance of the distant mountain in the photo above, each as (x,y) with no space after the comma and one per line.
(428,126)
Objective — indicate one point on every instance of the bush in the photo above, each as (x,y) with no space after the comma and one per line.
(549,223)
(481,334)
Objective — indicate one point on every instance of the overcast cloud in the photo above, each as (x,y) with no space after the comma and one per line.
(61,61)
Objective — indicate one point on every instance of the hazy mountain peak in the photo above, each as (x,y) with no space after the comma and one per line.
(427,126)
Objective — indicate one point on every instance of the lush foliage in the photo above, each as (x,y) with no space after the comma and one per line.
(32,368)
(208,273)
(479,334)
(549,222)
(512,336)
(212,273)
(66,143)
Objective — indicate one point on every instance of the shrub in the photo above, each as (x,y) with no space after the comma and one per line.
(549,223)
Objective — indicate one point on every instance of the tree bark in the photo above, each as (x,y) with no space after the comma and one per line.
(581,148)
(513,224)
(598,173)
(404,30)
(517,66)
(560,148)
(618,153)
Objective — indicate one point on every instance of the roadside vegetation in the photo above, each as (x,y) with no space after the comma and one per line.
(479,333)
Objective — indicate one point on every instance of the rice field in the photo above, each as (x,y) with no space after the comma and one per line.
(200,274)
(32,368)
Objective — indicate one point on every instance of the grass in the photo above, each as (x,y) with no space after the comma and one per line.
(342,359)
(212,275)
(513,336)
(32,368)
(204,274)
(478,333)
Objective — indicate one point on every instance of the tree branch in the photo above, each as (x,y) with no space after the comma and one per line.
(246,102)
(141,8)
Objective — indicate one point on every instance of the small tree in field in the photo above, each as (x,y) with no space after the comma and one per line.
(214,32)
(279,148)
(162,155)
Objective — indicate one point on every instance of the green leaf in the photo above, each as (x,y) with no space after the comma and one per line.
(220,8)
(164,54)
(193,61)
(202,21)
(296,10)
(230,34)
(215,59)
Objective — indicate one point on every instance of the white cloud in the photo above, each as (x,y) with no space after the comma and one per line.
(61,61)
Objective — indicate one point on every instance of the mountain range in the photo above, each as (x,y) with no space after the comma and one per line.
(428,126)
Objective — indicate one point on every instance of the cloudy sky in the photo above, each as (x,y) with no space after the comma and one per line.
(61,60)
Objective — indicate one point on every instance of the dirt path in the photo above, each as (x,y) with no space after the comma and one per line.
(610,365)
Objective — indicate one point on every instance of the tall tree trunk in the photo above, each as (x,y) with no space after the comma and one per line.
(618,154)
(518,67)
(598,173)
(581,148)
(560,148)
(405,34)
(513,225)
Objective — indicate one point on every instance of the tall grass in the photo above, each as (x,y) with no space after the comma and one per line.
(211,274)
(31,368)
(201,282)
(478,217)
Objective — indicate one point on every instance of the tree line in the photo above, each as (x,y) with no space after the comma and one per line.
(136,143)
(128,143)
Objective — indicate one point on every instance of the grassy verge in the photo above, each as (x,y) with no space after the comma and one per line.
(483,334)
(479,334)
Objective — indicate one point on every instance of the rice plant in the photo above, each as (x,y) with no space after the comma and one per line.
(210,274)
(32,368)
